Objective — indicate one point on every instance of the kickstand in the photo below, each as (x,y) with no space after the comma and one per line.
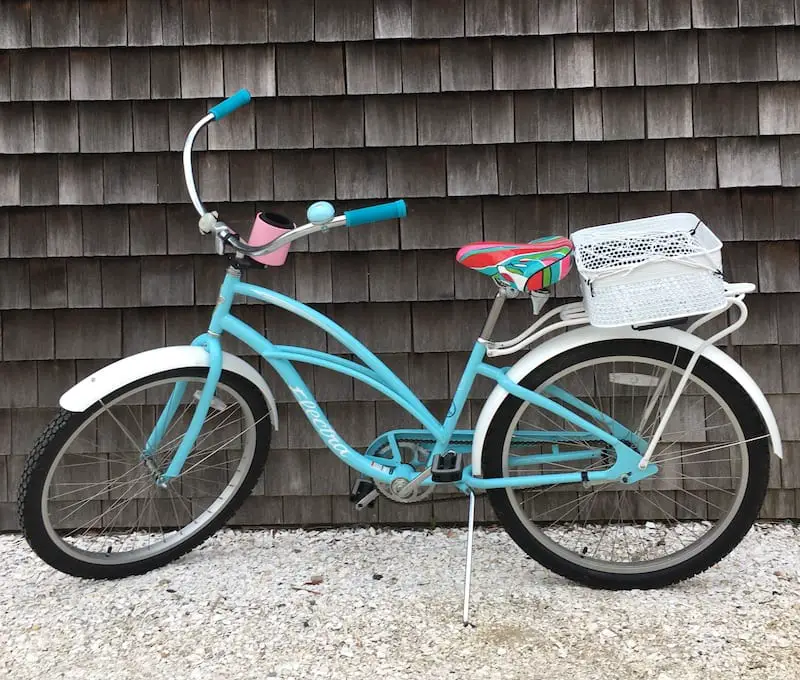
(468,576)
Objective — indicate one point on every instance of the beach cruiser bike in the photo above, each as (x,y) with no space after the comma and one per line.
(619,451)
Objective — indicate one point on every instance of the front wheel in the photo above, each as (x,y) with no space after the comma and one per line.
(713,462)
(89,504)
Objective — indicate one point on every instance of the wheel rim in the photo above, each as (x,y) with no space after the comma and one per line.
(135,519)
(655,524)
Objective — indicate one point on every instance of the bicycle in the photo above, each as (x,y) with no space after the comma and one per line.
(576,446)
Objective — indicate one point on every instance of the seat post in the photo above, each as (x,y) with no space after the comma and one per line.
(494,314)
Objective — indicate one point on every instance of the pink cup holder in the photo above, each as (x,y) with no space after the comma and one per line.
(266,228)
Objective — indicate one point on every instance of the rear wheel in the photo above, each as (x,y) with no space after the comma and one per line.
(713,468)
(89,505)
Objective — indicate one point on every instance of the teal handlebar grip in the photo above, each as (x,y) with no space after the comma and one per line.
(375,213)
(229,105)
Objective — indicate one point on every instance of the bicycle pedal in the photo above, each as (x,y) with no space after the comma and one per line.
(364,494)
(447,467)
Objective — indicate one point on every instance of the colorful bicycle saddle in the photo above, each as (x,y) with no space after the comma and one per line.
(524,266)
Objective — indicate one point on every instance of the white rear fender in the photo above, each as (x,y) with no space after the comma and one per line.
(138,366)
(589,334)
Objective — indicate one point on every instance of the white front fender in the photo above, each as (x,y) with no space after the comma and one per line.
(138,366)
(589,334)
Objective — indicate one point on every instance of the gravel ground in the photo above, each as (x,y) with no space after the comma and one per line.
(387,604)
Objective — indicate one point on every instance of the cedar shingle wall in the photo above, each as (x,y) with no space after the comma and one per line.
(501,119)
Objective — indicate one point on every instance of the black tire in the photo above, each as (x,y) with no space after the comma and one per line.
(46,452)
(722,383)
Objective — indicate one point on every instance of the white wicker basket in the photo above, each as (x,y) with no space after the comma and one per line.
(649,270)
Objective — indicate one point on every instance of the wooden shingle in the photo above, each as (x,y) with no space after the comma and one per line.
(778,269)
(105,230)
(574,61)
(251,175)
(350,273)
(27,335)
(303,175)
(757,215)
(466,65)
(596,16)
(501,17)
(182,116)
(105,127)
(421,68)
(182,234)
(9,180)
(343,21)
(15,25)
(737,56)
(39,75)
(5,83)
(144,23)
(90,74)
(338,122)
(630,15)
(557,16)
(471,170)
(201,72)
(290,20)
(666,15)
(562,168)
(103,24)
(748,161)
(613,58)
(130,74)
(213,176)
(38,180)
(238,21)
(165,73)
(88,334)
(196,20)
(64,232)
(543,116)
(444,119)
(446,326)
(122,280)
(492,115)
(392,276)
(623,113)
(669,111)
(284,123)
(53,379)
(741,262)
(721,209)
(360,173)
(715,13)
(55,24)
(150,126)
(392,19)
(55,127)
(766,12)
(416,172)
(80,179)
(166,281)
(437,281)
(249,66)
(441,224)
(15,291)
(666,58)
(373,68)
(690,164)
(608,167)
(129,178)
(171,22)
(789,148)
(310,70)
(643,204)
(148,229)
(785,205)
(777,109)
(516,169)
(390,121)
(588,115)
(788,46)
(171,188)
(16,128)
(523,63)
(27,236)
(726,110)
(437,18)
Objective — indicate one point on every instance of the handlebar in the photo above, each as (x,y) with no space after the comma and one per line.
(320,215)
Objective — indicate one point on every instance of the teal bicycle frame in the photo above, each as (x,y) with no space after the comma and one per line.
(377,375)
